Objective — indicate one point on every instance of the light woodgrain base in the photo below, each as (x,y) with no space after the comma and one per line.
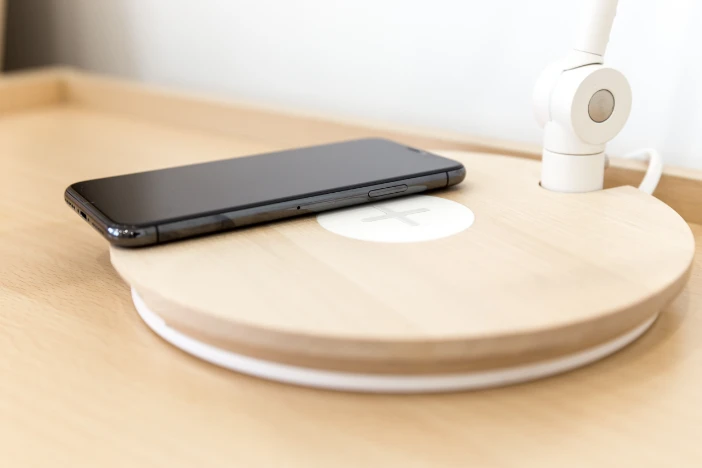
(539,275)
(380,383)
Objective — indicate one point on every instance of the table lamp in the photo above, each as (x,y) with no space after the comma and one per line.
(583,104)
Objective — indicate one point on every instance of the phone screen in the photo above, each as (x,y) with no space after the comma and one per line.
(166,195)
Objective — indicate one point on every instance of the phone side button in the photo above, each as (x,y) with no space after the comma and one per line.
(387,191)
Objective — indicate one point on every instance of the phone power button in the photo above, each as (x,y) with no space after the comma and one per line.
(387,191)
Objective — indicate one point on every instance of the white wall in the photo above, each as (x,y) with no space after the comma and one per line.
(462,65)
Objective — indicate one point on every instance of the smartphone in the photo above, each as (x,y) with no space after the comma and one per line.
(154,207)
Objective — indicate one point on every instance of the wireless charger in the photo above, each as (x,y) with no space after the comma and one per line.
(492,282)
(378,383)
(516,274)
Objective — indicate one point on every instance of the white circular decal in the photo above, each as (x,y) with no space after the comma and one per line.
(407,219)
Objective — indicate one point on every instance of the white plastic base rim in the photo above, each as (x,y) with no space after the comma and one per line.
(379,383)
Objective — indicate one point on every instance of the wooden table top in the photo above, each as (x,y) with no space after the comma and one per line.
(84,382)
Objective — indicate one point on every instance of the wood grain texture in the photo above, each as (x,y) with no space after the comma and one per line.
(83,382)
(21,91)
(680,188)
(254,121)
(537,276)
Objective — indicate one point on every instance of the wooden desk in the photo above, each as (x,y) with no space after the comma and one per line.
(84,383)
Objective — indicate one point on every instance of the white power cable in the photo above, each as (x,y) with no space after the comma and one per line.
(654,170)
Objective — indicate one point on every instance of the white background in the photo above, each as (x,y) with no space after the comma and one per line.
(461,65)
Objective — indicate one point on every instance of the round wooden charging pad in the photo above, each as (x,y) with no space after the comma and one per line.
(539,276)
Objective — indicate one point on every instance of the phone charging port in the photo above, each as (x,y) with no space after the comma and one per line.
(82,215)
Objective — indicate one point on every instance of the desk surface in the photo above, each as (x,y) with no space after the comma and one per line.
(84,382)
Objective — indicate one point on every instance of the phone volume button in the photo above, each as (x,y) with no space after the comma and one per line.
(387,191)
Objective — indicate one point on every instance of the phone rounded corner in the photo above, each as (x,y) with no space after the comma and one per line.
(71,192)
(131,236)
(456,176)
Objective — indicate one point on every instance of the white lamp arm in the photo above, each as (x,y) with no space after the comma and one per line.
(596,19)
(595,24)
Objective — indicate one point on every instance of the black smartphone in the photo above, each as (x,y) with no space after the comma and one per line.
(154,207)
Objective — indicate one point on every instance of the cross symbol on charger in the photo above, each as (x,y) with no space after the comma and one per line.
(402,216)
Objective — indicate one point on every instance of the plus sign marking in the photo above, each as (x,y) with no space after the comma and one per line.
(406,219)
(390,214)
